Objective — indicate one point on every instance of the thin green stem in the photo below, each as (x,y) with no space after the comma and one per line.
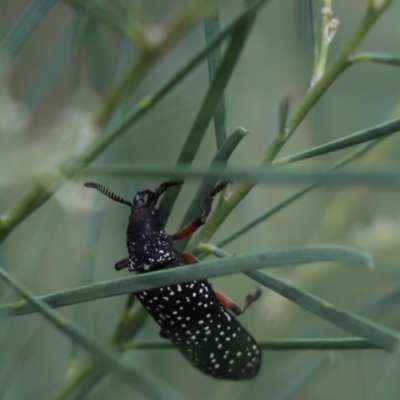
(125,23)
(40,192)
(131,79)
(208,107)
(314,33)
(378,334)
(104,354)
(22,30)
(211,29)
(328,30)
(188,273)
(382,336)
(151,51)
(342,61)
(91,372)
(352,156)
(382,176)
(348,343)
(196,207)
(376,132)
(82,382)
(388,59)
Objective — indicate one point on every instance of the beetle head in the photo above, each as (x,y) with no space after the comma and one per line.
(146,198)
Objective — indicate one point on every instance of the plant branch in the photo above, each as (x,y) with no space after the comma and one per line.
(211,28)
(352,156)
(342,61)
(382,336)
(348,343)
(104,354)
(40,192)
(387,59)
(208,107)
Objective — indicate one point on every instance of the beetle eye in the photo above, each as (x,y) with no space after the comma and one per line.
(140,199)
(137,201)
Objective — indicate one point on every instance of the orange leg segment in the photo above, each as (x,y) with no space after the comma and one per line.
(187,230)
(190,258)
(232,306)
(198,222)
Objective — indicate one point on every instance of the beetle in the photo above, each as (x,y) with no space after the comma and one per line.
(192,316)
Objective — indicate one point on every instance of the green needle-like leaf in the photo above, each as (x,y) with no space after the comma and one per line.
(383,176)
(23,29)
(149,101)
(352,156)
(40,192)
(208,108)
(348,343)
(188,273)
(211,29)
(197,206)
(388,59)
(378,334)
(376,132)
(104,354)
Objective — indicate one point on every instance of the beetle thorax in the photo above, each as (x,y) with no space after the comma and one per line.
(144,220)
(150,248)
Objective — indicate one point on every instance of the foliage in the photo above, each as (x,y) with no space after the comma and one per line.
(134,91)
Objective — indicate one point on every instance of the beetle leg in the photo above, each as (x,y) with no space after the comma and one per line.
(164,334)
(232,306)
(224,300)
(190,258)
(198,222)
(122,264)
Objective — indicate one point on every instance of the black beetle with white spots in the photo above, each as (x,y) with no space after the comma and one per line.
(193,316)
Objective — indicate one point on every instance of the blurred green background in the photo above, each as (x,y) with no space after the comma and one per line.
(49,93)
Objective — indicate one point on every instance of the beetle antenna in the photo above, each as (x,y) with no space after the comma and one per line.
(108,193)
(164,186)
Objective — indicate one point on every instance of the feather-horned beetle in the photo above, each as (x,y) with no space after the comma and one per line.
(192,315)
